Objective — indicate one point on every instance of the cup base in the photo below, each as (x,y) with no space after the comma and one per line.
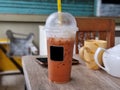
(59,82)
(117,76)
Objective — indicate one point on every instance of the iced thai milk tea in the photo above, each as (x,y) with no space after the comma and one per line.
(60,31)
(60,52)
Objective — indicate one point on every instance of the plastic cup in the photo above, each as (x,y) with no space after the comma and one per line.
(60,41)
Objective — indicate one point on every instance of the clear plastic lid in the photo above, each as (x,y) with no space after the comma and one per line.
(61,21)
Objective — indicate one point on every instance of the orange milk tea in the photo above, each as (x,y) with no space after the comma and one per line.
(60,52)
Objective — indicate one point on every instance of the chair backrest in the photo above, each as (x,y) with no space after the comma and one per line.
(95,28)
(19,43)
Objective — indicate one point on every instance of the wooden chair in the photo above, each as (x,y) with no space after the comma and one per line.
(94,28)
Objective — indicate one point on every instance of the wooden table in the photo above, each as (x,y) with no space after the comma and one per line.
(82,78)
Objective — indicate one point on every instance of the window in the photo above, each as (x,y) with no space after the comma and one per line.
(45,7)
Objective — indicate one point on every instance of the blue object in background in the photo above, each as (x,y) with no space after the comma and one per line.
(46,7)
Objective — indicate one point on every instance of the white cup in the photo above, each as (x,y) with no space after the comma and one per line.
(111,62)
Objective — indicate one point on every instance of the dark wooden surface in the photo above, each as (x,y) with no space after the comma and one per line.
(82,78)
